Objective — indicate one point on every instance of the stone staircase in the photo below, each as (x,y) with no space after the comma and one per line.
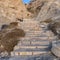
(31,47)
(37,40)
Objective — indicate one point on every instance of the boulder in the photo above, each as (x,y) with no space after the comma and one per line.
(56,48)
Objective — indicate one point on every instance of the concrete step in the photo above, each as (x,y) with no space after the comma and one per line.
(29,44)
(36,40)
(31,47)
(39,38)
(39,33)
(27,53)
(22,52)
(33,44)
(32,50)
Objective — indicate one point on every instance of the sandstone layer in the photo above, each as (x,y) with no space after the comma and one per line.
(11,10)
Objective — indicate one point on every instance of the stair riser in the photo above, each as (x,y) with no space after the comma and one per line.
(27,53)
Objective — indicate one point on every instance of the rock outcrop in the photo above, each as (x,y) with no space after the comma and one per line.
(45,9)
(11,10)
(51,9)
(35,6)
(56,48)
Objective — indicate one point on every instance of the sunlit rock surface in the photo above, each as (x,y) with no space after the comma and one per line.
(11,10)
(50,10)
(45,8)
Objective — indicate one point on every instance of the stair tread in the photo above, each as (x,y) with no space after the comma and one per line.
(30,50)
(32,45)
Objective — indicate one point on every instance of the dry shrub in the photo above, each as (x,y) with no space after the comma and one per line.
(13,25)
(10,39)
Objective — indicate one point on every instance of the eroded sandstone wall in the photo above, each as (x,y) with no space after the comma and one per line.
(10,10)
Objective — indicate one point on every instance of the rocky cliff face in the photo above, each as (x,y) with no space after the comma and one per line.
(10,10)
(35,6)
(50,9)
(45,8)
